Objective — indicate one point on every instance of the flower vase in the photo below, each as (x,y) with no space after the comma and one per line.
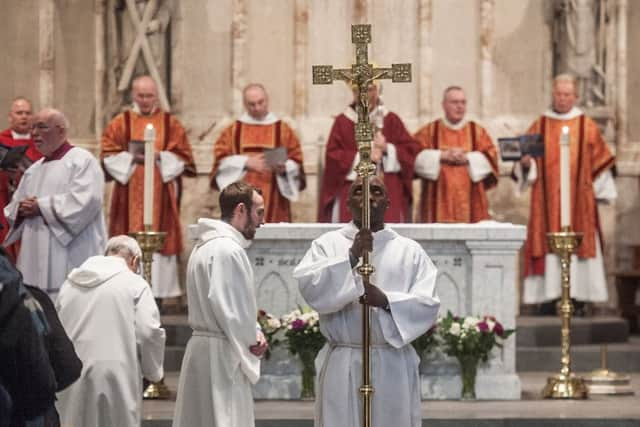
(468,371)
(308,375)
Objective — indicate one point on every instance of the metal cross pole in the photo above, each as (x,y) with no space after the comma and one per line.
(361,74)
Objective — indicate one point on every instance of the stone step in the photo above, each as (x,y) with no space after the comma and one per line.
(622,357)
(543,331)
(531,411)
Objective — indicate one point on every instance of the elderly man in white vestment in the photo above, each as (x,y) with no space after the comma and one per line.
(112,318)
(57,208)
(405,305)
(222,359)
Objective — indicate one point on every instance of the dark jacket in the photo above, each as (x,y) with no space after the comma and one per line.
(25,371)
(62,355)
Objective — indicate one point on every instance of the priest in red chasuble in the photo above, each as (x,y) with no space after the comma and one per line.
(393,151)
(591,180)
(262,150)
(125,166)
(18,134)
(457,165)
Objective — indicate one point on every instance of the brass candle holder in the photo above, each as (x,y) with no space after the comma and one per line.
(565,385)
(150,242)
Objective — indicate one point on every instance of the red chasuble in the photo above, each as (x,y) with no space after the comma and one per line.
(339,155)
(590,156)
(245,139)
(127,201)
(7,185)
(454,197)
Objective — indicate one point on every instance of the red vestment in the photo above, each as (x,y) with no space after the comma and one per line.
(126,213)
(453,197)
(244,139)
(7,185)
(589,157)
(339,156)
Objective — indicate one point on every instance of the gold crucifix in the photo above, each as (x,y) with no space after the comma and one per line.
(361,74)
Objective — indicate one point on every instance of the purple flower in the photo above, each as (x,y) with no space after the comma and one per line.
(483,326)
(498,329)
(297,324)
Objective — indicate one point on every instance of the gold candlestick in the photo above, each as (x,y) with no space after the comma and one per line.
(150,242)
(565,385)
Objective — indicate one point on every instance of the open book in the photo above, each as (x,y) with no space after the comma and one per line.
(512,149)
(13,157)
(275,156)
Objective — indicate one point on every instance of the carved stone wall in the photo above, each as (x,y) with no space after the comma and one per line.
(500,51)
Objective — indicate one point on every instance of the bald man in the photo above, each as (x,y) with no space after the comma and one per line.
(242,152)
(174,159)
(17,134)
(57,207)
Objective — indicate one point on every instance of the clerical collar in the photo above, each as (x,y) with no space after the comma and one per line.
(16,135)
(59,153)
(350,112)
(269,119)
(571,114)
(136,109)
(455,126)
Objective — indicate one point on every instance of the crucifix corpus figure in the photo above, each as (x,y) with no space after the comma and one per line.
(402,303)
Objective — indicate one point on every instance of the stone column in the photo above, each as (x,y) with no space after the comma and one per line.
(238,50)
(425,58)
(487,29)
(621,78)
(46,14)
(360,11)
(300,50)
(100,68)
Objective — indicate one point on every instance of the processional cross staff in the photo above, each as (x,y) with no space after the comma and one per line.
(361,74)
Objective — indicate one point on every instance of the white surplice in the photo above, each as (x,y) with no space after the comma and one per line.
(218,369)
(113,321)
(330,286)
(71,227)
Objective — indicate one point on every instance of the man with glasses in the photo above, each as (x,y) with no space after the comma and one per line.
(457,165)
(57,207)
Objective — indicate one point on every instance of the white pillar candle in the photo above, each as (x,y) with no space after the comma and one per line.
(565,179)
(149,160)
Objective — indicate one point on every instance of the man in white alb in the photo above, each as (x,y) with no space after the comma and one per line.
(222,359)
(57,207)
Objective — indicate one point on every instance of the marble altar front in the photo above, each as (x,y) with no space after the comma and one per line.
(477,274)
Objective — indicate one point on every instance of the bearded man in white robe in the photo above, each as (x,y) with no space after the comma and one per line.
(57,208)
(404,306)
(112,318)
(222,359)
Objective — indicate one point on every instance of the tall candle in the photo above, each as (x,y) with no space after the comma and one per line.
(149,157)
(565,180)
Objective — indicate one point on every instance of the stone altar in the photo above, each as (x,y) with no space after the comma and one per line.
(477,274)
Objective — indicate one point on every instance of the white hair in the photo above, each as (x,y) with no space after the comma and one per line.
(124,246)
(566,77)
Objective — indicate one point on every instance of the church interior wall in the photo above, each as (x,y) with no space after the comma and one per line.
(213,54)
(19,41)
(633,39)
(74,65)
(456,52)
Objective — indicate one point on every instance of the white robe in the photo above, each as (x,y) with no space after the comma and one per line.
(71,228)
(329,285)
(113,321)
(218,369)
